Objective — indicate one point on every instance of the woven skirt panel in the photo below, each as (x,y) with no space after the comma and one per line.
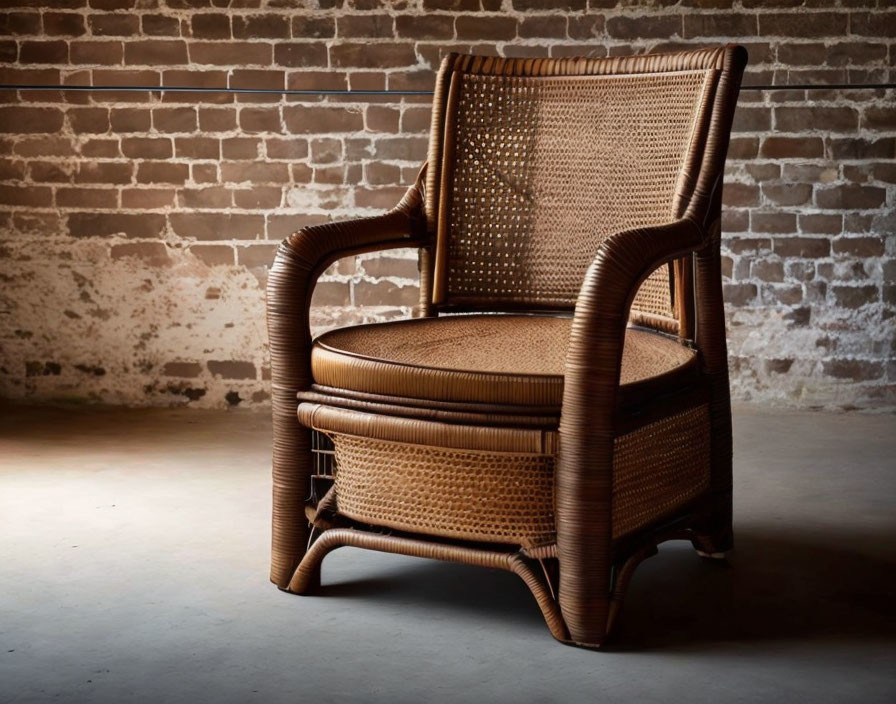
(502,495)
(466,494)
(660,467)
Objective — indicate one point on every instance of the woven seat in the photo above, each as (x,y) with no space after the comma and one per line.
(495,359)
(559,404)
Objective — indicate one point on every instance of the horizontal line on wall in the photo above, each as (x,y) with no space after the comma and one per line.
(278,91)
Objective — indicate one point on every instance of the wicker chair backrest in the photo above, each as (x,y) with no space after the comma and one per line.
(538,162)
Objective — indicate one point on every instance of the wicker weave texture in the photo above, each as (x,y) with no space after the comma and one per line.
(471,495)
(546,168)
(507,497)
(660,467)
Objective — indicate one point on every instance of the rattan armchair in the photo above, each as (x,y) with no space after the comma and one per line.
(560,403)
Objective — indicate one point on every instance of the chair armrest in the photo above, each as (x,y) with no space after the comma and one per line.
(303,257)
(583,482)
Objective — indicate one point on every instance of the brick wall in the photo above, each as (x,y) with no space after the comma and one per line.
(137,227)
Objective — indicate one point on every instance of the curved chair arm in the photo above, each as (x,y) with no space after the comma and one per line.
(584,471)
(301,259)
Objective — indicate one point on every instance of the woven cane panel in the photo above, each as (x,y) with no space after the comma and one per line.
(658,468)
(470,495)
(546,168)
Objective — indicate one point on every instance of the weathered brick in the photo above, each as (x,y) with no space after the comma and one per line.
(155,52)
(147,198)
(861,247)
(299,55)
(100,53)
(26,120)
(307,120)
(223,53)
(360,55)
(210,26)
(850,197)
(152,253)
(808,247)
(229,369)
(146,148)
(184,370)
(213,254)
(787,193)
(267,26)
(425,27)
(470,28)
(174,119)
(113,25)
(792,147)
(103,172)
(162,172)
(139,225)
(160,26)
(853,369)
(313,27)
(217,226)
(24,195)
(67,24)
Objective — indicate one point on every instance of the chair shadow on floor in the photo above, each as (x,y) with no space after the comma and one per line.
(819,586)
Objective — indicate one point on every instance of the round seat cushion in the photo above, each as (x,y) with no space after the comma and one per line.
(497,359)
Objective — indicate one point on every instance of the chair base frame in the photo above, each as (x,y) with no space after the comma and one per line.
(543,584)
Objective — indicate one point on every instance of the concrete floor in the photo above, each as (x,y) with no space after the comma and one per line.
(133,567)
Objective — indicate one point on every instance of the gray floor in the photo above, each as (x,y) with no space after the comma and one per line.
(133,549)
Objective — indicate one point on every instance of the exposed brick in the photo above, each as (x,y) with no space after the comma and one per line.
(260,26)
(174,119)
(773,222)
(425,27)
(360,55)
(43,52)
(471,28)
(184,370)
(67,24)
(155,52)
(307,120)
(828,119)
(656,27)
(313,27)
(162,172)
(861,247)
(808,247)
(232,369)
(213,254)
(210,26)
(130,119)
(787,193)
(301,55)
(113,25)
(147,198)
(160,26)
(103,172)
(153,253)
(141,225)
(22,195)
(100,53)
(853,369)
(146,148)
(851,197)
(25,120)
(223,53)
(217,226)
(792,147)
(739,294)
